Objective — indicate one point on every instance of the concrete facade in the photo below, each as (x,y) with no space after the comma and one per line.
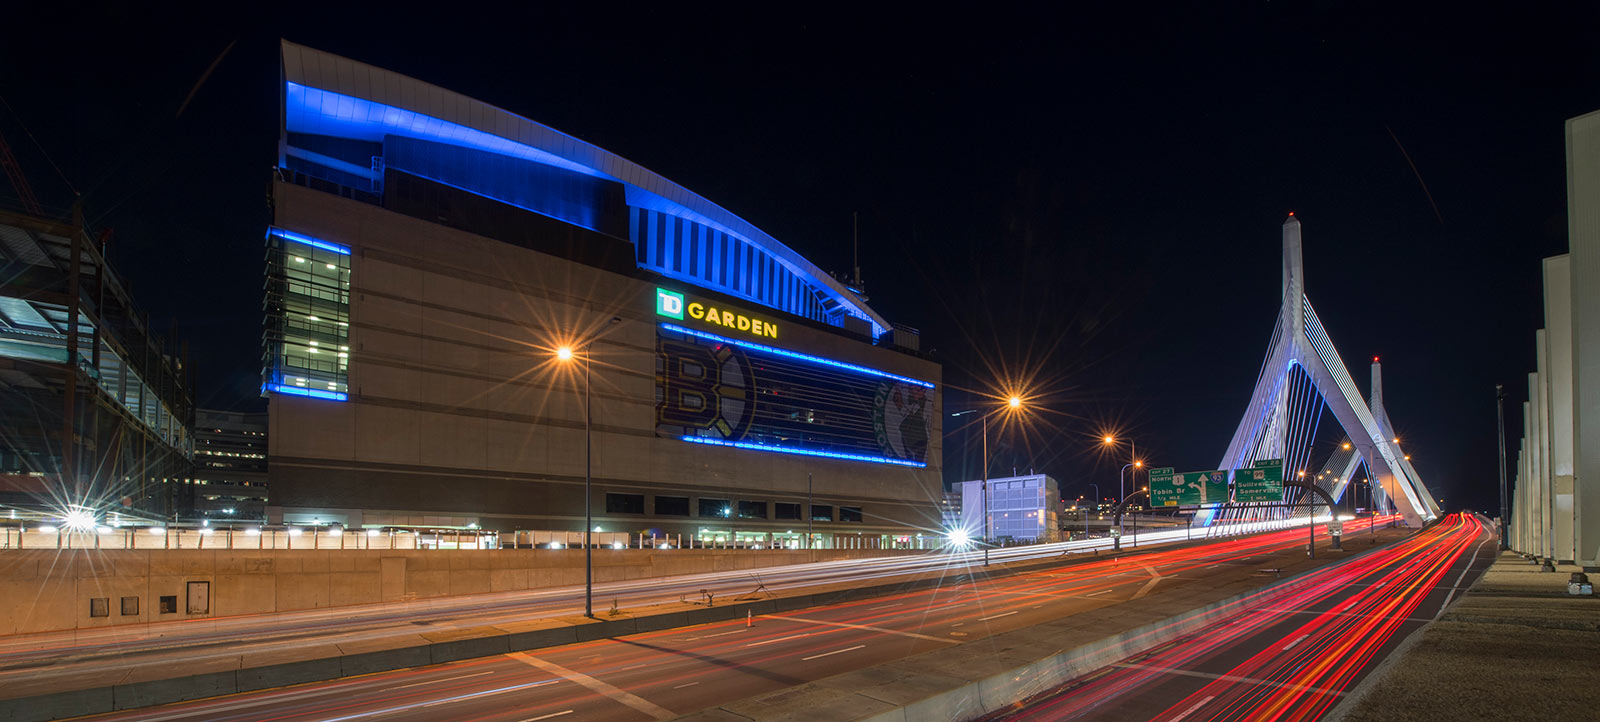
(1556,514)
(1583,238)
(459,413)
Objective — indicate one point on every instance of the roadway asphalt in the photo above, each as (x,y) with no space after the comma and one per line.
(1288,654)
(74,659)
(661,675)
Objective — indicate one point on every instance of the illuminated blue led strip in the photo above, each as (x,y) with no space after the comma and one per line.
(312,393)
(308,240)
(802,452)
(795,355)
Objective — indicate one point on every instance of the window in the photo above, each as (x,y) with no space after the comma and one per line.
(169,605)
(624,503)
(130,606)
(752,510)
(672,506)
(308,314)
(100,607)
(718,508)
(821,512)
(850,513)
(784,510)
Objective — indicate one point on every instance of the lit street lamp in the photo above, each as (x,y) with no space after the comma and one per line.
(1013,404)
(565,355)
(1133,451)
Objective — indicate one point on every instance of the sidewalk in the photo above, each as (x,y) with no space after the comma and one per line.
(1514,647)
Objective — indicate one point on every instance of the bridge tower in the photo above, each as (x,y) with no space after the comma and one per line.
(1302,376)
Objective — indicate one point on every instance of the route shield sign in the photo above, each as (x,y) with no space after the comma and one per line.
(1189,488)
(1263,482)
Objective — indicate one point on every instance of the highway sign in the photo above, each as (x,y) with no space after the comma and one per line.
(1190,488)
(1263,482)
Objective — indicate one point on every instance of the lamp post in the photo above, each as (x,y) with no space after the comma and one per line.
(1134,462)
(1500,423)
(1013,403)
(565,354)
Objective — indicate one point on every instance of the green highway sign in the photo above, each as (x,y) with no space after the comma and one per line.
(1263,482)
(1189,488)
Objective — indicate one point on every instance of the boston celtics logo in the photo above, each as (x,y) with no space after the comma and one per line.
(902,420)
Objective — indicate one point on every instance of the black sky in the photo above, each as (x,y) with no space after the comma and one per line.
(1090,199)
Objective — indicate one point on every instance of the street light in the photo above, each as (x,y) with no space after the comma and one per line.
(565,354)
(1133,451)
(1013,404)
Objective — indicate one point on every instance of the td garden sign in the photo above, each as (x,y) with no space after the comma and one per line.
(678,306)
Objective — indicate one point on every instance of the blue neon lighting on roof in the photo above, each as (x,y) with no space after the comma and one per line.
(324,112)
(796,355)
(802,452)
(313,393)
(308,240)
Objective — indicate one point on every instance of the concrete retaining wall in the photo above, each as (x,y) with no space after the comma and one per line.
(61,586)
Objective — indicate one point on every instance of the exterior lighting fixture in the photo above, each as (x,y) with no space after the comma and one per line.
(157,530)
(557,545)
(1346,446)
(206,531)
(47,529)
(959,538)
(1396,439)
(252,531)
(1138,464)
(335,531)
(372,532)
(1014,402)
(564,353)
(1302,472)
(79,520)
(298,259)
(103,529)
(616,545)
(294,531)
(331,266)
(1408,457)
(1109,439)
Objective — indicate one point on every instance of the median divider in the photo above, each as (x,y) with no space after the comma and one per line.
(75,697)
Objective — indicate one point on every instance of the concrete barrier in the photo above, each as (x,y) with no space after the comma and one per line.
(436,647)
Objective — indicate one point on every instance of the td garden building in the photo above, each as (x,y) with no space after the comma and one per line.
(442,278)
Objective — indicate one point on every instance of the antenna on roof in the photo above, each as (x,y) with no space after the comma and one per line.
(855,248)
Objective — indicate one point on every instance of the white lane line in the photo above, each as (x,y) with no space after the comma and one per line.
(1191,709)
(634,666)
(997,616)
(476,695)
(447,679)
(1096,594)
(866,627)
(830,654)
(681,686)
(1457,585)
(1231,678)
(780,639)
(625,697)
(884,606)
(547,716)
(1296,642)
(719,634)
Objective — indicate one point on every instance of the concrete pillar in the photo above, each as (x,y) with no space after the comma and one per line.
(1541,430)
(1558,387)
(1583,237)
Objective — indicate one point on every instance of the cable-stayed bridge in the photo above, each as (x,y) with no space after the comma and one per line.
(1302,380)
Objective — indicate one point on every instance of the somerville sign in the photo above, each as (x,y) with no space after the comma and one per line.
(676,306)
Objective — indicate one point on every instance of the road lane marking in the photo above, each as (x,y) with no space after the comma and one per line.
(1231,678)
(719,634)
(476,695)
(681,686)
(447,679)
(780,639)
(830,654)
(628,698)
(1191,710)
(885,606)
(866,627)
(1096,594)
(546,716)
(1296,642)
(1154,577)
(1457,585)
(997,616)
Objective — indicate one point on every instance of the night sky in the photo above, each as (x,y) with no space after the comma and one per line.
(1088,202)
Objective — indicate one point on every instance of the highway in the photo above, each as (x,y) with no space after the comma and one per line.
(1286,654)
(87,654)
(660,675)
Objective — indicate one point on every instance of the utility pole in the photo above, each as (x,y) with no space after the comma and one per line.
(1500,423)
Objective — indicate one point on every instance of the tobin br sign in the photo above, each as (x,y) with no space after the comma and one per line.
(675,305)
